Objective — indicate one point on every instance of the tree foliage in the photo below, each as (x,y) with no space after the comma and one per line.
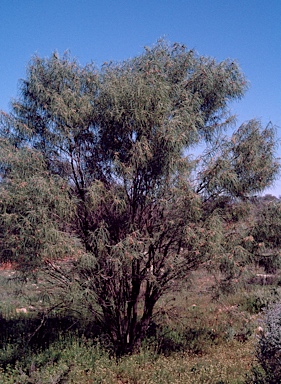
(34,209)
(113,145)
(243,164)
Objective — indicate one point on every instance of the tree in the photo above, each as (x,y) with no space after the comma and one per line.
(33,219)
(266,235)
(145,212)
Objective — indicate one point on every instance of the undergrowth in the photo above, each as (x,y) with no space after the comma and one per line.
(193,339)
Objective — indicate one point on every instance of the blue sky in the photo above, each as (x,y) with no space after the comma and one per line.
(102,30)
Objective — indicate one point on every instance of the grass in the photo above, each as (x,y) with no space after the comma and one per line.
(80,363)
(195,339)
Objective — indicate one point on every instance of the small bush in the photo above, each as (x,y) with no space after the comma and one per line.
(269,348)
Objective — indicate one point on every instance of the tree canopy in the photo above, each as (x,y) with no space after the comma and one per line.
(96,164)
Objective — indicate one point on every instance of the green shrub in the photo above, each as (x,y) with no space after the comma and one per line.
(258,300)
(194,340)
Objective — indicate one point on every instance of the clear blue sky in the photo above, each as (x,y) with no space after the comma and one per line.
(102,30)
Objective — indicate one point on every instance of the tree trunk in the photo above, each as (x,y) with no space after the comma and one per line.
(139,329)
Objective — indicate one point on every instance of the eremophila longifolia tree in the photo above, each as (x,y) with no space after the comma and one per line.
(115,144)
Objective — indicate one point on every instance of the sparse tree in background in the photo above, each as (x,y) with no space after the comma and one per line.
(114,145)
(232,179)
(267,236)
